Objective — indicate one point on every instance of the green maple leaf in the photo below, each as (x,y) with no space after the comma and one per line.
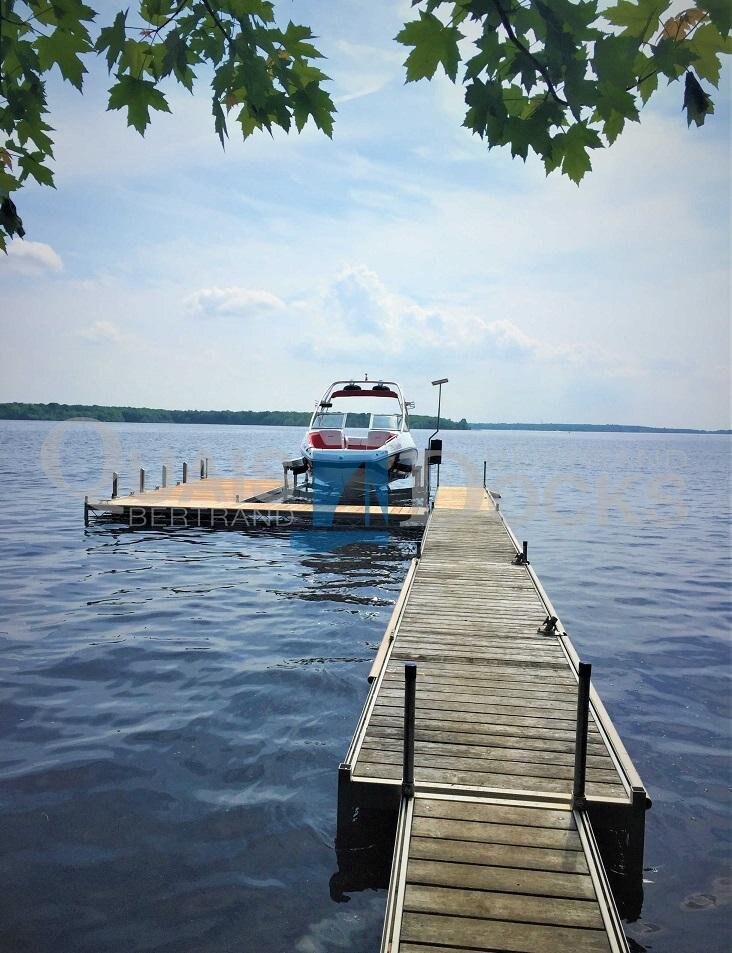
(639,17)
(139,96)
(647,87)
(576,141)
(313,101)
(707,43)
(62,49)
(112,39)
(32,165)
(293,41)
(434,44)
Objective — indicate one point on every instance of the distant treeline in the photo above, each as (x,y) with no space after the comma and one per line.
(151,415)
(592,428)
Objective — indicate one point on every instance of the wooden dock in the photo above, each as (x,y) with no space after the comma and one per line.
(238,503)
(493,851)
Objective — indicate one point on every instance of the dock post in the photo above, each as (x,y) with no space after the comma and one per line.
(164,479)
(185,472)
(206,469)
(410,693)
(142,480)
(344,818)
(579,801)
(115,485)
(86,511)
(202,470)
(485,466)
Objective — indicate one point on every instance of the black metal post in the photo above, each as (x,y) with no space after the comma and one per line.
(580,745)
(207,468)
(485,466)
(185,472)
(164,480)
(419,548)
(410,694)
(203,470)
(86,511)
(142,480)
(526,551)
(115,485)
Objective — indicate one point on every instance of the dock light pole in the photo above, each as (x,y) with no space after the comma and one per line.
(410,695)
(579,801)
(437,446)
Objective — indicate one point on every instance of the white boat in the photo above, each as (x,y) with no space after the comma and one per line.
(359,436)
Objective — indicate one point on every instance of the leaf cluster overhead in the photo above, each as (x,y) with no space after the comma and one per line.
(554,77)
(560,78)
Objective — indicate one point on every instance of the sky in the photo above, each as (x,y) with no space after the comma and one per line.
(165,272)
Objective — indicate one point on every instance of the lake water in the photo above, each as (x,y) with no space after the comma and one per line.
(175,705)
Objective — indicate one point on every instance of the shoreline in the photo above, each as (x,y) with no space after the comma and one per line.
(296,418)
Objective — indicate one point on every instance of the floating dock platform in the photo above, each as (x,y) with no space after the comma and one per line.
(495,847)
(238,503)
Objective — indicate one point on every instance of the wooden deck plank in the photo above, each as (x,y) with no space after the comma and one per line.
(490,905)
(498,855)
(540,883)
(477,934)
(495,833)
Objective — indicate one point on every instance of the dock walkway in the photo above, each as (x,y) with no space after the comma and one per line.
(490,853)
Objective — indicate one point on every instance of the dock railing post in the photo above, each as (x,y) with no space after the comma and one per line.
(206,470)
(142,480)
(164,477)
(485,468)
(410,694)
(202,470)
(185,472)
(579,801)
(115,485)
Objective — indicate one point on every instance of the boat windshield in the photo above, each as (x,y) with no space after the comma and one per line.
(353,413)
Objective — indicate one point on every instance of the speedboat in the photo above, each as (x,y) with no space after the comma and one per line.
(359,437)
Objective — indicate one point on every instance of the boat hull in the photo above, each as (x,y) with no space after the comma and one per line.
(356,469)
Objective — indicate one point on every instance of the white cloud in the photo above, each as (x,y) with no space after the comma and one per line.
(103,332)
(237,302)
(357,313)
(31,258)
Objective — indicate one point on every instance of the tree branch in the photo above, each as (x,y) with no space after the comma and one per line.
(216,20)
(525,50)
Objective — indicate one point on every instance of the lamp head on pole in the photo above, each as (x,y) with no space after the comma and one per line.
(442,380)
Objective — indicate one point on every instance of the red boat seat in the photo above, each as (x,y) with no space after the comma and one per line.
(326,439)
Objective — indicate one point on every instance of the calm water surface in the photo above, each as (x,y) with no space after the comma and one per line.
(174,705)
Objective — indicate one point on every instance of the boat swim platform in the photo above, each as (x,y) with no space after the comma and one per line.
(238,503)
(492,851)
